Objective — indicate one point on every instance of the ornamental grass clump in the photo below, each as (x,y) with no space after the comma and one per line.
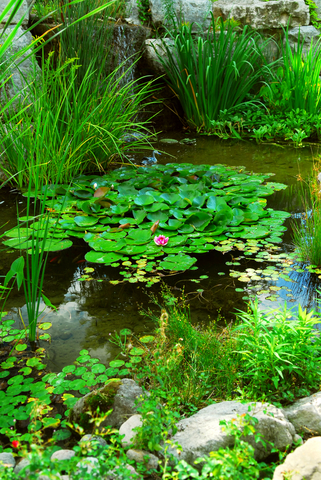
(296,83)
(215,73)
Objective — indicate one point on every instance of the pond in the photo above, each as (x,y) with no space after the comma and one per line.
(90,309)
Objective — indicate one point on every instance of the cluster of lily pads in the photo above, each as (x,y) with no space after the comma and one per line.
(198,208)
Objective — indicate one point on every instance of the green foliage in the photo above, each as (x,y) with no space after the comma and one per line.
(194,206)
(144,12)
(268,125)
(296,83)
(158,421)
(279,353)
(314,18)
(213,74)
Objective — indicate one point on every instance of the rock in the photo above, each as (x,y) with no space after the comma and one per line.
(118,395)
(201,434)
(263,15)
(22,12)
(62,455)
(302,464)
(93,440)
(141,456)
(309,34)
(305,414)
(123,473)
(7,459)
(22,464)
(132,12)
(127,429)
(190,11)
(87,465)
(27,71)
(158,45)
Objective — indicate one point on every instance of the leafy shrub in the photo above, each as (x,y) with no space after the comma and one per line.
(279,353)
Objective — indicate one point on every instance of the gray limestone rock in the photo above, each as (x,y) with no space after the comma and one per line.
(87,465)
(191,11)
(119,395)
(7,459)
(23,12)
(141,456)
(22,464)
(302,464)
(127,429)
(62,455)
(307,34)
(25,73)
(132,12)
(263,15)
(305,414)
(154,46)
(201,434)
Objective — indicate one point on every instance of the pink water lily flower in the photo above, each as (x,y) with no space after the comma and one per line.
(161,240)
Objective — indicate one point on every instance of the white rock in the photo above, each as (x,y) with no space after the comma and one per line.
(87,464)
(7,459)
(190,11)
(302,464)
(201,434)
(305,414)
(62,455)
(141,456)
(22,12)
(127,429)
(263,15)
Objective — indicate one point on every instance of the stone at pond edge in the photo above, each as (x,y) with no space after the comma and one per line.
(93,440)
(63,454)
(23,463)
(302,464)
(201,434)
(305,414)
(7,459)
(127,429)
(142,456)
(118,395)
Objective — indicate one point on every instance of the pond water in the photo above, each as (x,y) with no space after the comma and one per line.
(89,312)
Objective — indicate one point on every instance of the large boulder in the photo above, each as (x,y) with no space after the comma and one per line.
(23,12)
(305,414)
(263,15)
(307,35)
(189,11)
(118,395)
(201,434)
(23,71)
(302,464)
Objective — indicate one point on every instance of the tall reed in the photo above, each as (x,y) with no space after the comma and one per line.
(80,126)
(215,73)
(307,233)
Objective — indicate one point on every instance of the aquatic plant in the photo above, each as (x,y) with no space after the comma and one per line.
(213,74)
(307,229)
(198,207)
